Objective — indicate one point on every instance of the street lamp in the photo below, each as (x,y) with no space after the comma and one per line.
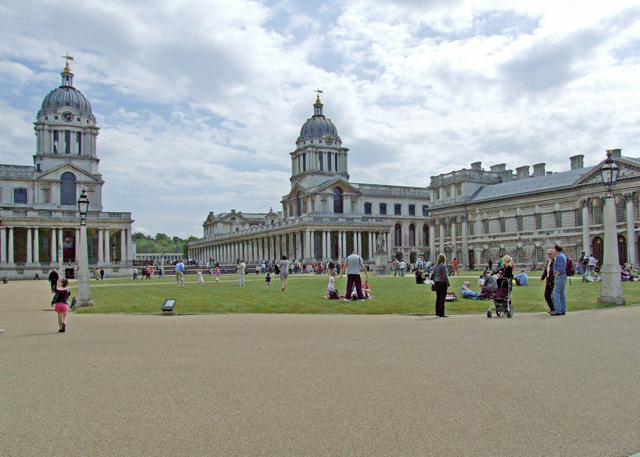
(84,292)
(611,285)
(162,263)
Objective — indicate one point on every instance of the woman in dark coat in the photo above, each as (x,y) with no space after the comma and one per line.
(442,284)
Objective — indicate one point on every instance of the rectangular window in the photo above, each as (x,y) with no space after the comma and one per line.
(472,228)
(397,209)
(67,141)
(336,160)
(304,162)
(329,161)
(425,210)
(579,220)
(597,215)
(383,208)
(299,162)
(20,196)
(486,226)
(520,223)
(458,189)
(367,208)
(538,218)
(447,231)
(320,161)
(56,141)
(437,194)
(447,192)
(412,210)
(459,230)
(79,142)
(503,225)
(558,217)
(620,210)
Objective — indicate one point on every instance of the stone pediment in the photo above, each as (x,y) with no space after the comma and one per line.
(627,170)
(53,174)
(345,185)
(294,191)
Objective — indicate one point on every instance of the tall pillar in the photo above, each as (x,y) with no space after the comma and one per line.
(10,246)
(442,221)
(129,245)
(78,245)
(454,238)
(359,248)
(100,247)
(3,245)
(632,256)
(432,240)
(324,245)
(36,246)
(29,246)
(60,248)
(465,240)
(586,238)
(107,247)
(54,248)
(340,245)
(123,250)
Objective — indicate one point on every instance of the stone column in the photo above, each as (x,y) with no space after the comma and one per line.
(60,247)
(3,245)
(586,238)
(360,244)
(123,247)
(100,247)
(454,238)
(78,245)
(54,248)
(340,245)
(324,245)
(10,247)
(442,221)
(36,246)
(129,246)
(432,240)
(631,239)
(107,247)
(465,240)
(29,246)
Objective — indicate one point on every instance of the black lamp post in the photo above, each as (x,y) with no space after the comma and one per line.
(84,292)
(611,285)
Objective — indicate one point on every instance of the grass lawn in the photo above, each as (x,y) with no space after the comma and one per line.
(305,295)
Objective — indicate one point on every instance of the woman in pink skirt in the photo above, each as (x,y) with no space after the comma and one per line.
(60,302)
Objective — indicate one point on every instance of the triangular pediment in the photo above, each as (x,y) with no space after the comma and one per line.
(53,174)
(294,192)
(328,186)
(628,169)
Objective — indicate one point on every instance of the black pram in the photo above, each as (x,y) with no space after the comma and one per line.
(501,299)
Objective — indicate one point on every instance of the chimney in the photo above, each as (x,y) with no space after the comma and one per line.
(522,172)
(549,173)
(538,169)
(476,166)
(498,168)
(577,162)
(616,152)
(507,175)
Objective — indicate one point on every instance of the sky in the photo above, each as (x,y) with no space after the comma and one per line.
(199,103)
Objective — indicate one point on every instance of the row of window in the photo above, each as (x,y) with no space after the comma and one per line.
(67,142)
(397,209)
(67,191)
(330,160)
(448,190)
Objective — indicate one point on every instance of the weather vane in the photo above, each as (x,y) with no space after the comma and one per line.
(319,92)
(68,57)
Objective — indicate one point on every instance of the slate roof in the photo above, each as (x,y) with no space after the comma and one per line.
(529,185)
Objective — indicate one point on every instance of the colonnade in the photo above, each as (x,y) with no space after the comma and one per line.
(32,241)
(304,245)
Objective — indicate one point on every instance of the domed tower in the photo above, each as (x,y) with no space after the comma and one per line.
(66,129)
(319,155)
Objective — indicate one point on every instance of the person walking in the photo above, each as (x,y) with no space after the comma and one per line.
(591,266)
(200,278)
(560,274)
(353,266)
(60,303)
(217,273)
(101,275)
(179,270)
(283,265)
(241,269)
(403,268)
(441,283)
(454,264)
(547,274)
(53,279)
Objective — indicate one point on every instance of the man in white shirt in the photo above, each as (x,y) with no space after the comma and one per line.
(240,269)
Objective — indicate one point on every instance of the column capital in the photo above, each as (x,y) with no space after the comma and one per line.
(585,202)
(453,219)
(463,218)
(630,197)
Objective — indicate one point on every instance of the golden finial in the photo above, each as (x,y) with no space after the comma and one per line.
(318,98)
(66,67)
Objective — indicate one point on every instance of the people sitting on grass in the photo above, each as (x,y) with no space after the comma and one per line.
(331,287)
(466,292)
(366,290)
(420,276)
(521,279)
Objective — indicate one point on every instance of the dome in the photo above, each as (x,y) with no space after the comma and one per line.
(318,125)
(66,96)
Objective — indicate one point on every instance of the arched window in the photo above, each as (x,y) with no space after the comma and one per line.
(68,189)
(398,235)
(20,196)
(337,200)
(425,235)
(412,235)
(298,205)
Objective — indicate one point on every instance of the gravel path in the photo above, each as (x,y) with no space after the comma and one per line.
(305,385)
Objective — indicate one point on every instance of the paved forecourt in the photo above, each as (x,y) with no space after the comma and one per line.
(292,385)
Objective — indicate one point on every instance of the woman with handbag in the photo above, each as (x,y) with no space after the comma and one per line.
(440,284)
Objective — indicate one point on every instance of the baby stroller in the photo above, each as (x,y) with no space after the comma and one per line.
(502,299)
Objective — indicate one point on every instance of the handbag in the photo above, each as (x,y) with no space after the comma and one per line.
(433,286)
(433,283)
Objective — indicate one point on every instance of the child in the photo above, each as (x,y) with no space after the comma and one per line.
(366,290)
(217,272)
(332,285)
(268,280)
(60,303)
(200,278)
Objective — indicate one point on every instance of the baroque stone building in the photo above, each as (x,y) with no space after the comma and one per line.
(39,219)
(470,214)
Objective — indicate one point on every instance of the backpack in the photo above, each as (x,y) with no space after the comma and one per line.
(571,269)
(333,295)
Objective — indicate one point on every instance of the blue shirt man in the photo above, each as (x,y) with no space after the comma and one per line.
(560,273)
(180,273)
(522,279)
